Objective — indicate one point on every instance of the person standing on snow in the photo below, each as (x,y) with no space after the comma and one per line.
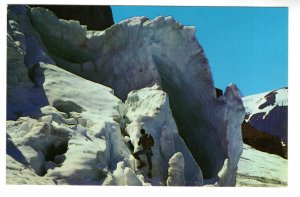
(147,141)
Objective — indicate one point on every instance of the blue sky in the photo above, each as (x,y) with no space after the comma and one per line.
(247,46)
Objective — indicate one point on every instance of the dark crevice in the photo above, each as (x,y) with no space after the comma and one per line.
(192,127)
(32,74)
(36,75)
(67,106)
(53,151)
(219,92)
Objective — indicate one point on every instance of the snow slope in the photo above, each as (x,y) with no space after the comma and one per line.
(259,169)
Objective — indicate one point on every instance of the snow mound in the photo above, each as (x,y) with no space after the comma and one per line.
(176,170)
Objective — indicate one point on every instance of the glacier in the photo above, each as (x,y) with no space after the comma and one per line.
(72,93)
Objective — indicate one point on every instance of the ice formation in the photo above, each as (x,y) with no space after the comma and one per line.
(69,81)
(176,170)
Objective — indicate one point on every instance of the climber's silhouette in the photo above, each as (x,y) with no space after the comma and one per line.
(147,141)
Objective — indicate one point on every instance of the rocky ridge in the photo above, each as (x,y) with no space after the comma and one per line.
(266,121)
(268,112)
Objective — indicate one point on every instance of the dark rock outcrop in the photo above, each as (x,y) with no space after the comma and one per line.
(270,99)
(262,141)
(268,112)
(94,17)
(219,92)
(274,122)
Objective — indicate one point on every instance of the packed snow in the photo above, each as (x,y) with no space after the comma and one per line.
(259,169)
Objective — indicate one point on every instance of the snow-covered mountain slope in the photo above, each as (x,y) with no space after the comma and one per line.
(268,112)
(259,169)
(65,123)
